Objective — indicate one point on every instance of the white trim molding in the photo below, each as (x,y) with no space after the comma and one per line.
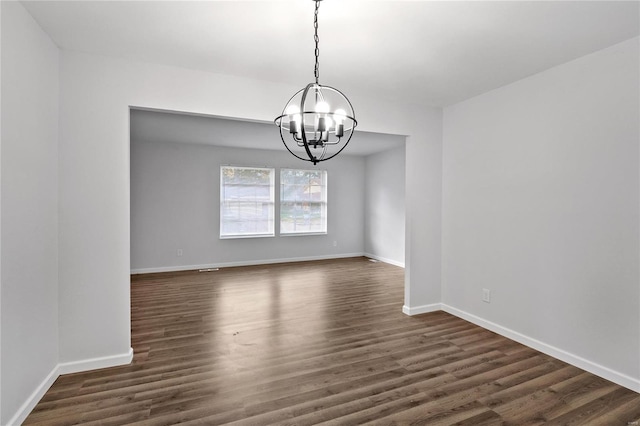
(423,309)
(34,398)
(96,363)
(66,368)
(242,263)
(384,259)
(575,360)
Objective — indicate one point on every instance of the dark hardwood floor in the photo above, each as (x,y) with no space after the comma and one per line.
(320,343)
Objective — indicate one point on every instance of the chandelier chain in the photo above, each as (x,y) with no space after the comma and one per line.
(316,71)
(318,121)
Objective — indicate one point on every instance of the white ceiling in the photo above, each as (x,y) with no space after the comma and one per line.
(434,53)
(162,126)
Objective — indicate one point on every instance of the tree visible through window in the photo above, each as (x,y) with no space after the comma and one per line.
(303,201)
(246,201)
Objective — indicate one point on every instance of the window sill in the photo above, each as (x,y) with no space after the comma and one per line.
(302,234)
(240,237)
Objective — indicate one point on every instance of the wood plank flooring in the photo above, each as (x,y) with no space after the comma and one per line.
(320,343)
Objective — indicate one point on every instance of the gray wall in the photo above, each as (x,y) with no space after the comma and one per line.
(29,212)
(94,184)
(540,205)
(384,206)
(175,204)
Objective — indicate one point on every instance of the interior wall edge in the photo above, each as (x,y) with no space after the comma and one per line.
(558,353)
(422,309)
(242,263)
(35,397)
(66,368)
(96,363)
(384,259)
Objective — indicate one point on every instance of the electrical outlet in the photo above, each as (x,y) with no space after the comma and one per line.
(335,244)
(179,253)
(486,295)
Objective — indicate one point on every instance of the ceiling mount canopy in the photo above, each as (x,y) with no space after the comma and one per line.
(318,121)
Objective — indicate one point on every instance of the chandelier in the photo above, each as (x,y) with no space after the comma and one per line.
(318,121)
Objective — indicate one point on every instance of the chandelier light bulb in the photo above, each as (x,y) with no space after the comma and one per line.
(339,115)
(322,107)
(292,110)
(329,123)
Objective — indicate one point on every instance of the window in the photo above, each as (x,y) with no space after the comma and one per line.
(246,202)
(303,201)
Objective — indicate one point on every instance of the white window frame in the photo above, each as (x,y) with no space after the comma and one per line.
(323,203)
(270,204)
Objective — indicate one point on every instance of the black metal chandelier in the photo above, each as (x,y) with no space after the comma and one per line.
(318,121)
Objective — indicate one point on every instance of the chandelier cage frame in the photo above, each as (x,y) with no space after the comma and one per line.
(317,119)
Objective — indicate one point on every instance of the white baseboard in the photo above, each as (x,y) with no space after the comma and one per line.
(66,368)
(423,309)
(385,260)
(575,360)
(95,363)
(241,263)
(33,399)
